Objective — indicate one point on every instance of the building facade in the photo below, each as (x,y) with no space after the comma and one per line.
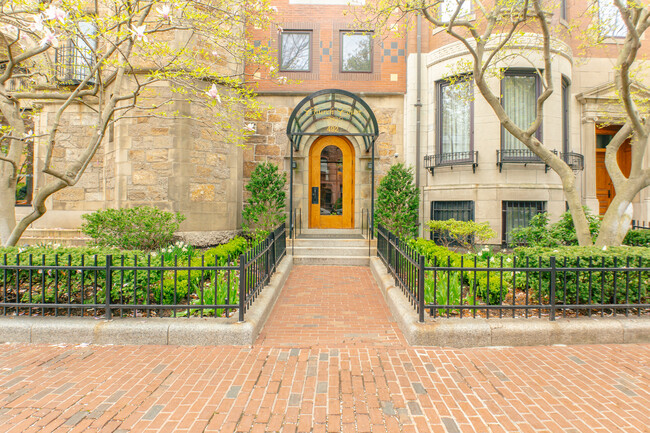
(345,104)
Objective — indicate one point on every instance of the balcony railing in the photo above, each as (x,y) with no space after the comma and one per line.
(450,159)
(525,156)
(574,160)
(518,156)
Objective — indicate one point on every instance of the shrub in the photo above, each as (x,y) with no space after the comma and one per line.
(142,287)
(265,209)
(397,202)
(140,228)
(465,233)
(595,286)
(637,238)
(563,232)
(489,289)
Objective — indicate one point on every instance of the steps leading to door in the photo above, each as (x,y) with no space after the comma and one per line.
(331,247)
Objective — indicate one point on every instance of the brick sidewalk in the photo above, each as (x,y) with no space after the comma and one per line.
(364,379)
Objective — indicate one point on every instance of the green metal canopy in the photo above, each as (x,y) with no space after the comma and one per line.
(332,112)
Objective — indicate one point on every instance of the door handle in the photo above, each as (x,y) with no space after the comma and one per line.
(314,195)
(609,194)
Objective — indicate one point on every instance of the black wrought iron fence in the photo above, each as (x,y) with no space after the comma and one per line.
(640,225)
(137,286)
(517,287)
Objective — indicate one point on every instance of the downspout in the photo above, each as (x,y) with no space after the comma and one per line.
(418,109)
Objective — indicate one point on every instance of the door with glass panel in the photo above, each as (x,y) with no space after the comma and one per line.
(331,183)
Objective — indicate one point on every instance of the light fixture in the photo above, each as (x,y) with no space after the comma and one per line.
(369,165)
(294,164)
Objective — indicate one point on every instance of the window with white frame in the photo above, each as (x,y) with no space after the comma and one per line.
(455,123)
(610,20)
(449,7)
(520,90)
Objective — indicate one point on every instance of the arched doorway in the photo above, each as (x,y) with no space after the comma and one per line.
(331,183)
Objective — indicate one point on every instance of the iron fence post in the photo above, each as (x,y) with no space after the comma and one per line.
(109,285)
(421,289)
(552,289)
(242,286)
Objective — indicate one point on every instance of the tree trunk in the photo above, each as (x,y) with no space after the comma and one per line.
(7,204)
(39,209)
(616,222)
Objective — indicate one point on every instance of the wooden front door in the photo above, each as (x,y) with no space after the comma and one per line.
(604,187)
(331,183)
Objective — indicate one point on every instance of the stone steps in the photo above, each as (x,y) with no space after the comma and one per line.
(64,237)
(331,248)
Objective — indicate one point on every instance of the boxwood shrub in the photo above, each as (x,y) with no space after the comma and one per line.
(598,286)
(141,287)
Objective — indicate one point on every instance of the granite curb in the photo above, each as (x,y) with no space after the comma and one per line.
(460,333)
(180,331)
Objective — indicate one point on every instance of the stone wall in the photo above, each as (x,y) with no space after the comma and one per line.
(181,164)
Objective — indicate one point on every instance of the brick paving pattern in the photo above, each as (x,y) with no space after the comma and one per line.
(370,381)
(331,306)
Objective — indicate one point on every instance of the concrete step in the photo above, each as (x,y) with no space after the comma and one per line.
(331,260)
(55,234)
(67,242)
(322,251)
(341,243)
(335,232)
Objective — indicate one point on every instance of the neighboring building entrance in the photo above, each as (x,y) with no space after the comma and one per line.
(604,188)
(331,183)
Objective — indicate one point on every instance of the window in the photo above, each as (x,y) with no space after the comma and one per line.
(295,51)
(444,210)
(611,22)
(518,214)
(520,91)
(565,116)
(563,10)
(356,52)
(24,183)
(448,7)
(455,122)
(76,58)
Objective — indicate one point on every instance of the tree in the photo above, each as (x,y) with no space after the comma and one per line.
(500,29)
(265,208)
(397,202)
(111,60)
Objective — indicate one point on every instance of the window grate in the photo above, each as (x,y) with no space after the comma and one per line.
(444,210)
(518,214)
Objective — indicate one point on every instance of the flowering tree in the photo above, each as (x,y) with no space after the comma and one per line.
(497,30)
(110,58)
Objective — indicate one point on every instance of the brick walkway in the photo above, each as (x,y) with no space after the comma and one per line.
(334,306)
(366,379)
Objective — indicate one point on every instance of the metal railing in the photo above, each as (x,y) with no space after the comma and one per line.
(151,286)
(574,160)
(517,288)
(518,156)
(450,159)
(526,156)
(366,230)
(296,229)
(640,225)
